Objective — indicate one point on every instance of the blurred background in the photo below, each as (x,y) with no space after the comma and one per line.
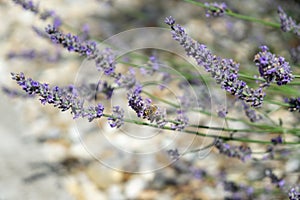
(43,153)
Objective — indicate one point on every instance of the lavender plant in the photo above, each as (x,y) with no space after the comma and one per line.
(250,134)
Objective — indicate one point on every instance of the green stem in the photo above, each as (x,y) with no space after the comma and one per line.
(261,128)
(226,138)
(236,15)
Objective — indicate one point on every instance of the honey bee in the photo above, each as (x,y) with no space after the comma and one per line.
(150,111)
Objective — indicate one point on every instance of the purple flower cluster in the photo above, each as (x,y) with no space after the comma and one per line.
(104,59)
(273,68)
(250,113)
(174,154)
(277,140)
(274,179)
(27,5)
(135,100)
(224,71)
(65,99)
(93,112)
(127,80)
(72,42)
(288,23)
(152,66)
(145,108)
(294,104)
(116,120)
(45,14)
(181,121)
(241,152)
(14,93)
(294,194)
(32,54)
(295,54)
(215,9)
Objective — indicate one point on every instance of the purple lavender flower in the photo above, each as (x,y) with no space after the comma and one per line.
(32,54)
(154,63)
(198,173)
(170,21)
(295,54)
(117,117)
(273,68)
(277,140)
(104,59)
(174,154)
(274,179)
(71,42)
(27,54)
(294,194)
(45,14)
(215,9)
(224,71)
(250,113)
(40,32)
(294,104)
(180,122)
(14,93)
(241,152)
(85,32)
(288,23)
(94,112)
(127,80)
(144,108)
(222,112)
(238,191)
(151,67)
(57,22)
(63,98)
(135,100)
(27,5)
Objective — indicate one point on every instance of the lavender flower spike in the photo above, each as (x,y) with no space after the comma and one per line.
(43,14)
(71,42)
(27,5)
(241,152)
(105,59)
(224,71)
(65,99)
(117,117)
(144,109)
(287,23)
(273,68)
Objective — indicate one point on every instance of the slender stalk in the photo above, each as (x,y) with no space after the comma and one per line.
(226,138)
(236,15)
